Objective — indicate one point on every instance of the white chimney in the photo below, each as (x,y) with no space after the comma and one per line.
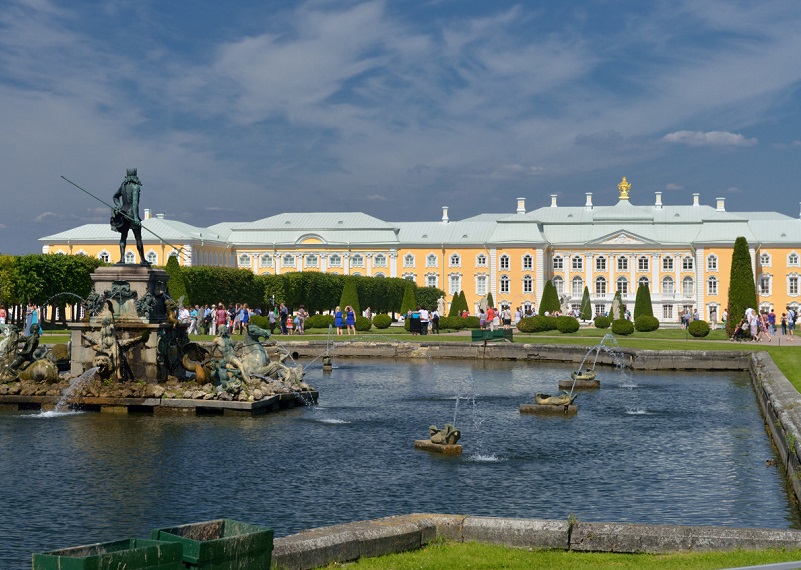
(658,203)
(588,205)
(160,216)
(553,200)
(147,213)
(444,214)
(721,204)
(521,205)
(696,196)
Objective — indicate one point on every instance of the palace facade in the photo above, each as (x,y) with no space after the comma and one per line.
(683,252)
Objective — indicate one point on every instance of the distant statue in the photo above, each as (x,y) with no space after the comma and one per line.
(125,215)
(223,344)
(441,306)
(617,310)
(448,435)
(564,305)
(483,303)
(22,357)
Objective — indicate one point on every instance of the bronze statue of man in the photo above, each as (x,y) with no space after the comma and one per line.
(125,215)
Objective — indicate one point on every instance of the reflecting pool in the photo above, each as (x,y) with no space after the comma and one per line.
(653,448)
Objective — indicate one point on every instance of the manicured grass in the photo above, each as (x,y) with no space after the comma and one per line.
(447,555)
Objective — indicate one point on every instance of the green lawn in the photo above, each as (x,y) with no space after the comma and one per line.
(476,556)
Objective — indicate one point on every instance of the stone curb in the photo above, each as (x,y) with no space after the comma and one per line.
(346,542)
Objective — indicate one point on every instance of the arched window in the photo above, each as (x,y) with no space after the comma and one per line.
(481,285)
(357,260)
(623,285)
(379,274)
(431,260)
(711,262)
(668,286)
(577,263)
(712,285)
(687,263)
(104,256)
(600,286)
(792,259)
(431,280)
(380,260)
(644,281)
(481,260)
(765,281)
(408,260)
(528,284)
(622,263)
(288,260)
(504,283)
(504,261)
(558,263)
(528,262)
(335,260)
(600,263)
(244,260)
(643,263)
(764,259)
(312,260)
(559,285)
(577,286)
(455,281)
(667,264)
(455,260)
(152,257)
(130,257)
(410,277)
(265,260)
(792,284)
(688,287)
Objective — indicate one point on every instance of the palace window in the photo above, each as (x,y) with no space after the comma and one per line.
(667,312)
(312,260)
(688,287)
(431,260)
(559,285)
(712,262)
(644,281)
(623,285)
(104,256)
(288,260)
(481,285)
(558,263)
(528,284)
(687,263)
(600,263)
(577,263)
(152,257)
(504,262)
(792,285)
(380,260)
(764,284)
(712,286)
(244,260)
(577,286)
(528,263)
(455,284)
(642,263)
(668,286)
(667,264)
(764,259)
(379,274)
(408,260)
(622,263)
(410,276)
(130,257)
(792,259)
(335,260)
(266,260)
(455,260)
(600,286)
(481,260)
(431,280)
(357,260)
(600,310)
(504,283)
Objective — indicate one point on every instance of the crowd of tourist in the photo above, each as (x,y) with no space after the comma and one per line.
(761,326)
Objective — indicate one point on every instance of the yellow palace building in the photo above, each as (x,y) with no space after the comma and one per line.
(683,252)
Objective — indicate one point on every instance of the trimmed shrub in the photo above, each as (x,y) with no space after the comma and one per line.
(470,323)
(602,322)
(536,324)
(698,328)
(642,304)
(319,321)
(645,323)
(742,288)
(550,299)
(350,296)
(363,323)
(409,303)
(567,324)
(382,321)
(586,307)
(454,323)
(260,321)
(623,327)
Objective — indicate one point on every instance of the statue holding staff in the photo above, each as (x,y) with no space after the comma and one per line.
(125,214)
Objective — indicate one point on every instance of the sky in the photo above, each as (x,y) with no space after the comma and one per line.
(236,111)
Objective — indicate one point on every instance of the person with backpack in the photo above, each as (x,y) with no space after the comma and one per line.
(791,316)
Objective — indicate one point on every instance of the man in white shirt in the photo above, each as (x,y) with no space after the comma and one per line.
(423,320)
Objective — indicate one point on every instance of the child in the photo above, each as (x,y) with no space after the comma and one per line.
(289,324)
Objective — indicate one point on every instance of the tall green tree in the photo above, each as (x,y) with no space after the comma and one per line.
(409,303)
(550,299)
(490,300)
(428,296)
(463,302)
(176,284)
(585,312)
(742,288)
(642,304)
(350,296)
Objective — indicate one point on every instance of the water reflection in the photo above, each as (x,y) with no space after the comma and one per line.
(666,448)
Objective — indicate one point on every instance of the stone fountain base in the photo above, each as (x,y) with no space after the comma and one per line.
(444,449)
(580,384)
(548,410)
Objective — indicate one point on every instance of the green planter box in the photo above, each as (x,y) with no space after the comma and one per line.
(221,544)
(131,554)
(499,334)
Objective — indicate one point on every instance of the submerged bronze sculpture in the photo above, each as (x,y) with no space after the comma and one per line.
(125,214)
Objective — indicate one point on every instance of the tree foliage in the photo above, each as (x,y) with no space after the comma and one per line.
(742,289)
(213,285)
(585,312)
(642,304)
(409,302)
(350,296)
(550,299)
(176,284)
(490,300)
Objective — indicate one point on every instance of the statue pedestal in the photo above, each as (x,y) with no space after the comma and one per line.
(579,384)
(444,449)
(125,286)
(548,410)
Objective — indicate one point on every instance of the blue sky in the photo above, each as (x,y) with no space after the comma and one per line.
(241,110)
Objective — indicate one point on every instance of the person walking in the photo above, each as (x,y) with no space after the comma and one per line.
(350,320)
(338,321)
(435,321)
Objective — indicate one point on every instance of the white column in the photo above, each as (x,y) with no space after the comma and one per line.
(323,263)
(611,268)
(346,264)
(700,281)
(368,263)
(539,269)
(493,277)
(393,263)
(633,269)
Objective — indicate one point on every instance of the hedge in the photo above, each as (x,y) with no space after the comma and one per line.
(567,324)
(382,321)
(602,322)
(454,323)
(536,324)
(260,321)
(623,327)
(363,324)
(319,321)
(698,328)
(645,323)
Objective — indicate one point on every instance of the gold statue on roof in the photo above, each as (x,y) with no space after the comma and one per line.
(623,188)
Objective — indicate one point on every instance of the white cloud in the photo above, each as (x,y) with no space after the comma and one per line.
(710,138)
(672,187)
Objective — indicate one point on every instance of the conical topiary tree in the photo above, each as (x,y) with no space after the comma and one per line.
(176,284)
(550,299)
(490,300)
(350,296)
(642,304)
(408,303)
(456,303)
(742,289)
(463,302)
(585,312)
